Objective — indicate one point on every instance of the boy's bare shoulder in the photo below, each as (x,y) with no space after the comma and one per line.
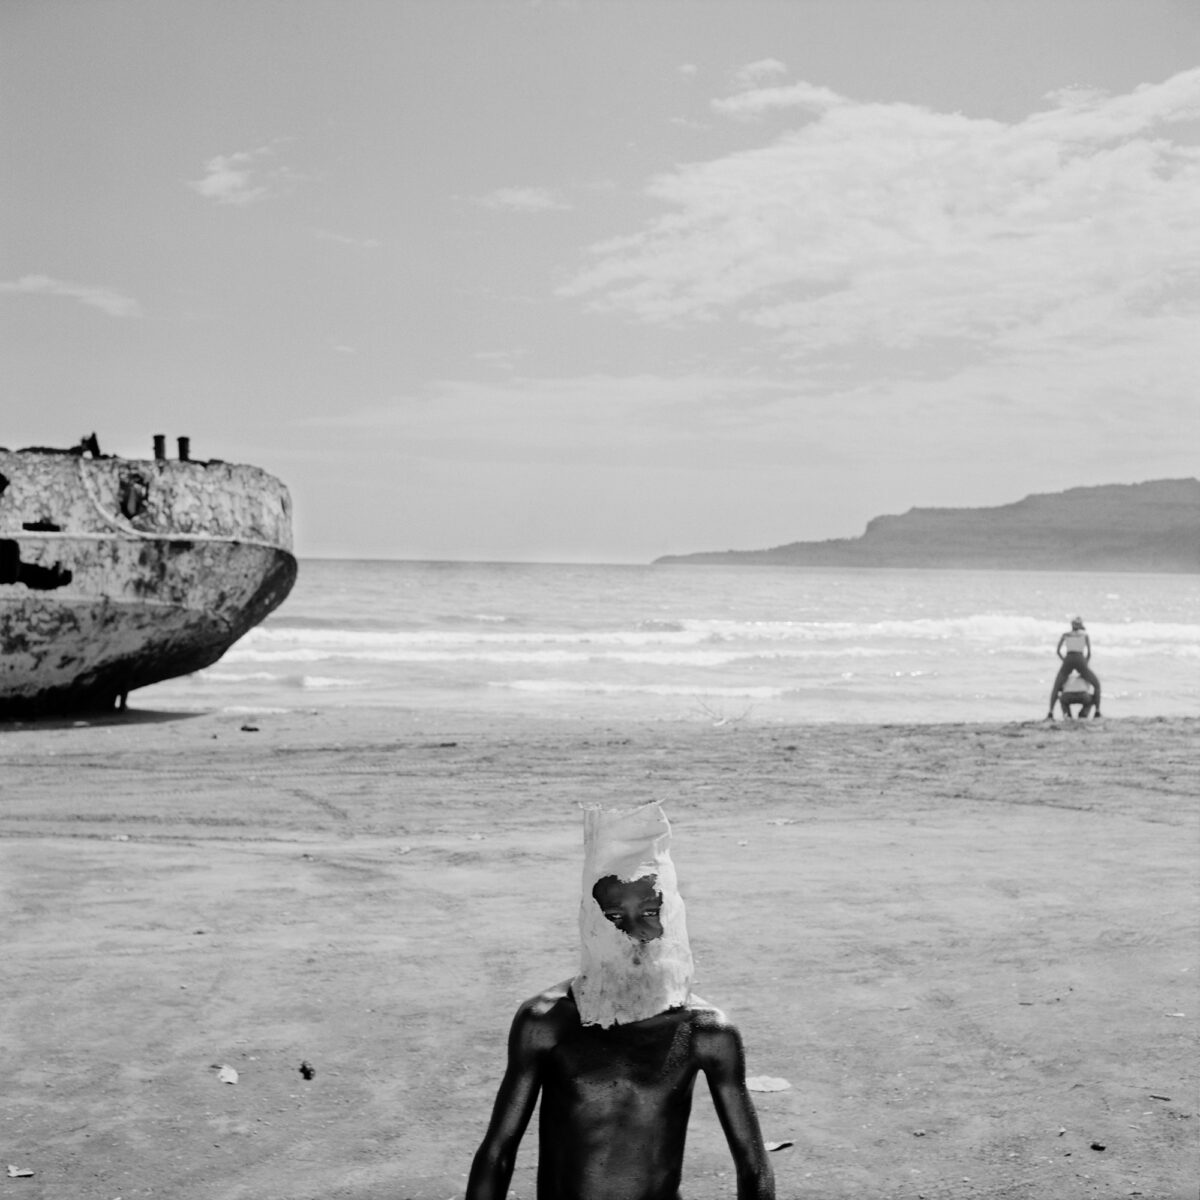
(707,1016)
(549,1007)
(716,1038)
(548,999)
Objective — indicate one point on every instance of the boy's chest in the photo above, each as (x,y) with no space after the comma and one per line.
(620,1057)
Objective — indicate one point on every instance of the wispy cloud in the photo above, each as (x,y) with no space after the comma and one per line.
(105,299)
(593,418)
(754,73)
(757,101)
(343,239)
(524,199)
(894,226)
(243,177)
(506,359)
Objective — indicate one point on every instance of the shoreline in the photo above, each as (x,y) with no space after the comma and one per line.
(137,716)
(955,941)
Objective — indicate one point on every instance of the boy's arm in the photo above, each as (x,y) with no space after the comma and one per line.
(723,1062)
(492,1167)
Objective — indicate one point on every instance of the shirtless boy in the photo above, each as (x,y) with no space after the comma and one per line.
(614,1053)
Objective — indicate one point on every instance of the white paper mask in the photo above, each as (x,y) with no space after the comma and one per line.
(623,978)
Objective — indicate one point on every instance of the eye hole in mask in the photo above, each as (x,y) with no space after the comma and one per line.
(634,907)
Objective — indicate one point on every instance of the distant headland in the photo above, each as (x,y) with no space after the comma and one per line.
(1152,526)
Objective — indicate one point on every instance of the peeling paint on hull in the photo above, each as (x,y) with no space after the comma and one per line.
(118,573)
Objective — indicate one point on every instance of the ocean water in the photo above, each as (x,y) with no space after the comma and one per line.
(719,644)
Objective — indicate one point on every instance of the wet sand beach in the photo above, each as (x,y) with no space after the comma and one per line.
(970,949)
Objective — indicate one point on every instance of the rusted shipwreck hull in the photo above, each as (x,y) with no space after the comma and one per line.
(117,573)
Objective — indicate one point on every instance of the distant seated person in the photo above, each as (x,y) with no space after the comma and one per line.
(1076,692)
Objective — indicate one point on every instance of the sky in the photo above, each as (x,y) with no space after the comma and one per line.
(606,280)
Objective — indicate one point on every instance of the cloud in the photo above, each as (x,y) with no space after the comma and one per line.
(344,239)
(753,73)
(1042,416)
(243,177)
(796,95)
(506,359)
(893,226)
(523,199)
(594,418)
(105,299)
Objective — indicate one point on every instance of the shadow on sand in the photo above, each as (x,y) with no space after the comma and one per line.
(131,716)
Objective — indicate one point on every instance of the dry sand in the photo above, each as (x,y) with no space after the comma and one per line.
(971,949)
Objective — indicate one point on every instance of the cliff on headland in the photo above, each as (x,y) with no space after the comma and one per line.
(1152,526)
